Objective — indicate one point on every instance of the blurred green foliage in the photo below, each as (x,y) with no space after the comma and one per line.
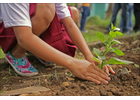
(71,4)
(1,53)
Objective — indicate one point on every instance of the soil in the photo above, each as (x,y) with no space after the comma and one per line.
(60,81)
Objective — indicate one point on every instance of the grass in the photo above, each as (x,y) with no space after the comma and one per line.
(96,21)
(9,74)
(91,36)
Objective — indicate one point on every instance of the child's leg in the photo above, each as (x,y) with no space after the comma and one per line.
(57,37)
(43,17)
(75,14)
(40,22)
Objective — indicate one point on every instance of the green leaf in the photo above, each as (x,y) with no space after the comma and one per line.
(136,65)
(101,36)
(115,41)
(97,52)
(114,60)
(114,31)
(117,51)
(118,33)
(112,34)
(112,27)
(102,57)
(96,60)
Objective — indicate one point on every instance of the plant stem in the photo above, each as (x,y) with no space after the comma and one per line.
(102,64)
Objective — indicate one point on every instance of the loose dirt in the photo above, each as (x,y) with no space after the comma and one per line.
(60,81)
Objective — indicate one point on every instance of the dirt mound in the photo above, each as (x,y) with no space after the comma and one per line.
(60,81)
(120,85)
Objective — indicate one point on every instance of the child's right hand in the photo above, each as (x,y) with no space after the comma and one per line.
(83,69)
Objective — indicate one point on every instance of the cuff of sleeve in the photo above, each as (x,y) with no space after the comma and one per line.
(16,23)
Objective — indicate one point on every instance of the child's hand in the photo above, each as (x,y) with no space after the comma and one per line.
(83,69)
(106,68)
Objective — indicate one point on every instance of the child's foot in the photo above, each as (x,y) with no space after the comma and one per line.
(21,66)
(46,63)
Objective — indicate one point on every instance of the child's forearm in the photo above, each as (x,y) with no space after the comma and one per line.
(76,36)
(38,47)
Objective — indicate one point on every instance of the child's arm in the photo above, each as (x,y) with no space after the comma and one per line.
(76,36)
(80,68)
(78,39)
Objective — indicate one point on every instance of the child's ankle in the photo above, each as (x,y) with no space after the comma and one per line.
(17,55)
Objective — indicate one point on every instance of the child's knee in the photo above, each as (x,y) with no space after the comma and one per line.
(43,17)
(75,14)
(49,12)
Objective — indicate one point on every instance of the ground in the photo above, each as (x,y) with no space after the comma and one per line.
(59,81)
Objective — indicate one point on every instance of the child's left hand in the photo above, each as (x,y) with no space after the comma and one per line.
(106,68)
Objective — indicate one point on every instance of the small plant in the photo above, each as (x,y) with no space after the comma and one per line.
(39,79)
(108,45)
(1,53)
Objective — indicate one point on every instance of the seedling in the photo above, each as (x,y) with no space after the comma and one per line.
(108,45)
(39,79)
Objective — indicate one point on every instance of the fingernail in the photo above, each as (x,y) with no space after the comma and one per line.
(108,73)
(108,78)
(113,72)
(98,82)
(106,82)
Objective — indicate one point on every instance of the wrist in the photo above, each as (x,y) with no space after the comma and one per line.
(69,63)
(72,64)
(89,56)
